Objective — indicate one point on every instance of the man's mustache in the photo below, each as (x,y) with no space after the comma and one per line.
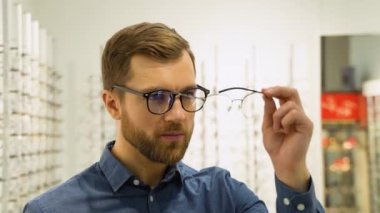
(174,127)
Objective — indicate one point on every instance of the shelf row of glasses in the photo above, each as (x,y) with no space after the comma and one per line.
(30,142)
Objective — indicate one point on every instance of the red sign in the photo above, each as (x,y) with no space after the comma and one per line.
(343,107)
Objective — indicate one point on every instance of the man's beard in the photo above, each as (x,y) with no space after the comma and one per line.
(156,150)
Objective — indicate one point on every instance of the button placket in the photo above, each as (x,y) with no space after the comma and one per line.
(136,182)
(286,201)
(153,202)
(301,207)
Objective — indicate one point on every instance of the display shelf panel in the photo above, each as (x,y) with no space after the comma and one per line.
(29,120)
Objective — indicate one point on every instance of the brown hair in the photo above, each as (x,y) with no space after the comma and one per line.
(150,39)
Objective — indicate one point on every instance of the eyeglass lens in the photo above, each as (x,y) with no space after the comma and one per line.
(249,104)
(161,101)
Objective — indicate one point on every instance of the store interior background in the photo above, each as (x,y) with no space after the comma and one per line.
(276,42)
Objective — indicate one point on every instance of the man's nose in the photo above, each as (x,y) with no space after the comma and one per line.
(176,112)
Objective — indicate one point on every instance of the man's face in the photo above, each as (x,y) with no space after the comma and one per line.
(160,138)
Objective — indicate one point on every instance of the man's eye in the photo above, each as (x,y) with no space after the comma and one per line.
(158,96)
(190,93)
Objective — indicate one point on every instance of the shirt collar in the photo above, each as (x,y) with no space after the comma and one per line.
(184,171)
(117,174)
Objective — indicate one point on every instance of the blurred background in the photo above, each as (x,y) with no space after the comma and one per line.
(53,124)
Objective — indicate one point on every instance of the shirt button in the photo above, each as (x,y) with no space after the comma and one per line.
(136,182)
(301,207)
(286,201)
(151,198)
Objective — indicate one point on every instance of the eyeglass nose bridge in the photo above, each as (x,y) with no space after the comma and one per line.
(173,96)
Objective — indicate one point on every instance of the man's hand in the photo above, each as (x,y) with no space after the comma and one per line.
(287,132)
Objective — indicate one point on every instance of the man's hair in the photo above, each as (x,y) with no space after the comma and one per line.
(149,39)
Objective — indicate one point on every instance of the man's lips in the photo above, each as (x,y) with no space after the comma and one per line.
(172,136)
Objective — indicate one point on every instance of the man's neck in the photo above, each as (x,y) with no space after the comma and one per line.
(148,172)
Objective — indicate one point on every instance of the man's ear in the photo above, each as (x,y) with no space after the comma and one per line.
(112,104)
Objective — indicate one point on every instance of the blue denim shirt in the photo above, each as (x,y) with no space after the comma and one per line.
(108,186)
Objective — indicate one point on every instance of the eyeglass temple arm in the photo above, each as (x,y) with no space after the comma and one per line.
(125,89)
(241,88)
(207,91)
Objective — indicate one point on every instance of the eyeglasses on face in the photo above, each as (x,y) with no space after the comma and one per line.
(161,101)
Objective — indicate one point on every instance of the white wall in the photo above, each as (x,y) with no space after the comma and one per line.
(235,27)
(346,17)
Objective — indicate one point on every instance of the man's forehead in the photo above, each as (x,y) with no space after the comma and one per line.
(143,60)
(169,74)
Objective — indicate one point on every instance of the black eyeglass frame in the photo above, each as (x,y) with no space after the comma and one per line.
(238,88)
(173,96)
(251,92)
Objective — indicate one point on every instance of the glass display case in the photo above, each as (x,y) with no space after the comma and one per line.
(344,143)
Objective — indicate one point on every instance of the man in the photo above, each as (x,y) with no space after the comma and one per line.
(150,91)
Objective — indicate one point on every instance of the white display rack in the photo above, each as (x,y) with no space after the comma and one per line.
(94,141)
(30,134)
(371,89)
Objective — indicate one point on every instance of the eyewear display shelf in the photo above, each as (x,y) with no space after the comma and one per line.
(30,122)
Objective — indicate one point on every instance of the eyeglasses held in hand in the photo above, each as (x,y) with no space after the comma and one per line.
(161,101)
(248,104)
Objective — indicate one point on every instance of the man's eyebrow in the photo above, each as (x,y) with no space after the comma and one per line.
(189,87)
(154,88)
